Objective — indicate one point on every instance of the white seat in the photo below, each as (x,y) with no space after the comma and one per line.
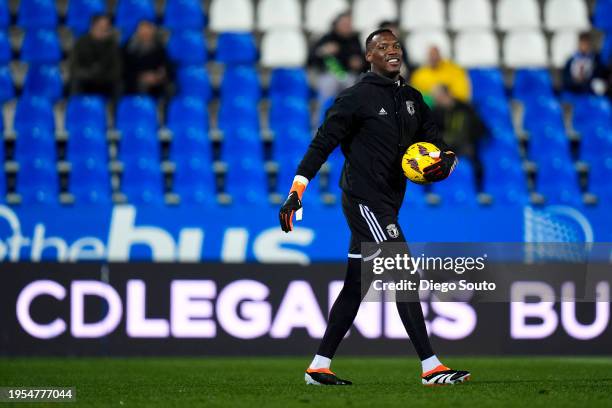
(274,14)
(284,48)
(562,46)
(525,49)
(467,14)
(321,13)
(418,14)
(566,15)
(419,43)
(476,49)
(368,14)
(231,15)
(514,14)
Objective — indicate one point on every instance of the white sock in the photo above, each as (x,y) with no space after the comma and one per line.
(320,362)
(430,363)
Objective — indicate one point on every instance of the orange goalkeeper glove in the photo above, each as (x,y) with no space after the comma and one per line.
(293,204)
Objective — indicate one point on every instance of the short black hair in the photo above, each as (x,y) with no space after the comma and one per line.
(97,17)
(373,34)
(388,23)
(585,36)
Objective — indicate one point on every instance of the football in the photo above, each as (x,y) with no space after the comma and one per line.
(416,158)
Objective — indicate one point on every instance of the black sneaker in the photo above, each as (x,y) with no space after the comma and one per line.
(442,375)
(323,376)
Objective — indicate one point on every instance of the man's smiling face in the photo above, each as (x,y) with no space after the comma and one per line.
(385,54)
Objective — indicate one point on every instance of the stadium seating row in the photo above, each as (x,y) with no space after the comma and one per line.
(289,48)
(239,15)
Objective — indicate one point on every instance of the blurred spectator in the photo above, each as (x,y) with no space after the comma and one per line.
(145,63)
(584,71)
(440,71)
(460,125)
(95,62)
(394,27)
(338,56)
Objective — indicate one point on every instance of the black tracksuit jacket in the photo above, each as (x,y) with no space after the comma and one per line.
(374,122)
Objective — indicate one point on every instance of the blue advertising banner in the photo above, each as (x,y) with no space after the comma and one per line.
(241,233)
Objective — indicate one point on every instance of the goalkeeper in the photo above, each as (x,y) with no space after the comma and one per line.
(374,122)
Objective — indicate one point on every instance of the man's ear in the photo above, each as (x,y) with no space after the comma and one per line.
(368,57)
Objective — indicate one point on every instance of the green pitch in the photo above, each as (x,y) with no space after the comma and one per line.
(278,382)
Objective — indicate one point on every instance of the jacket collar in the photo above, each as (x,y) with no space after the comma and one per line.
(373,78)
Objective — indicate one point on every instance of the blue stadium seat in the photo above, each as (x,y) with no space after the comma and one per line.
(187,111)
(602,16)
(136,111)
(129,13)
(90,182)
(80,12)
(289,82)
(37,182)
(287,165)
(142,182)
(595,142)
(194,181)
(6,54)
(546,140)
(291,140)
(41,47)
(34,14)
(87,143)
(590,110)
(194,81)
(190,142)
(7,89)
(35,142)
(558,182)
(486,82)
(246,181)
(33,111)
(238,112)
(530,83)
(495,112)
(241,80)
(183,15)
(506,181)
(139,142)
(187,47)
(289,111)
(500,148)
(240,141)
(459,188)
(85,110)
(5,15)
(45,81)
(600,174)
(542,110)
(236,48)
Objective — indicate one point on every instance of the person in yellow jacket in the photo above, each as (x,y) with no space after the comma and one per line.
(440,71)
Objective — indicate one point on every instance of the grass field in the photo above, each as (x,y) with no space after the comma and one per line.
(278,382)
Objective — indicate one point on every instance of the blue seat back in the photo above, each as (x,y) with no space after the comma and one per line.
(142,182)
(187,47)
(183,15)
(85,110)
(187,111)
(33,111)
(90,182)
(236,48)
(41,46)
(194,81)
(87,143)
(37,182)
(136,111)
(34,14)
(44,80)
